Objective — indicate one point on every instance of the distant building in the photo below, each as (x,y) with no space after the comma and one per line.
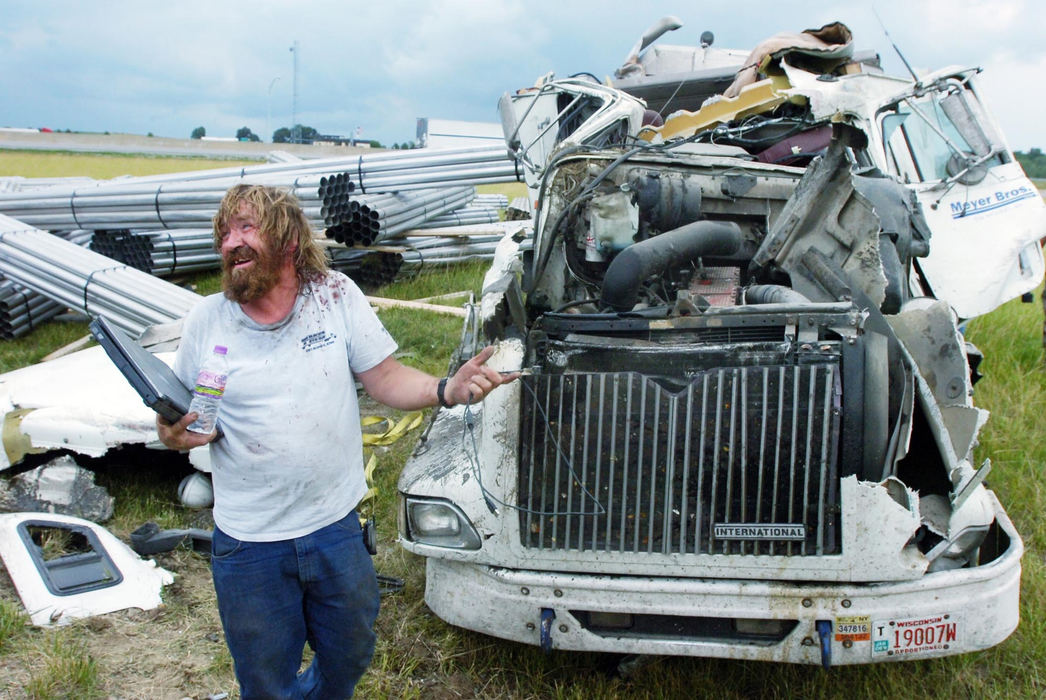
(335,140)
(445,133)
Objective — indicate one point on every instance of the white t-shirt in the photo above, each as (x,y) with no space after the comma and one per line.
(291,459)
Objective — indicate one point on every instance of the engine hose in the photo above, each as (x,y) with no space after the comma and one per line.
(773,294)
(641,261)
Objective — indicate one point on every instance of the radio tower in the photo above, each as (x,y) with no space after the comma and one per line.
(295,128)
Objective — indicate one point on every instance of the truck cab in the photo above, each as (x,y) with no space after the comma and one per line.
(745,422)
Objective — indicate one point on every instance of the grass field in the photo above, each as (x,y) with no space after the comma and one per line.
(177,651)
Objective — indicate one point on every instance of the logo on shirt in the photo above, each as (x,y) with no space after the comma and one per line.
(315,341)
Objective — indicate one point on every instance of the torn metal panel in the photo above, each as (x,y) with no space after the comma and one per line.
(501,304)
(826,226)
(932,339)
(104,577)
(933,345)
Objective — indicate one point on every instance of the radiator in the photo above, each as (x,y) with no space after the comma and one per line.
(730,460)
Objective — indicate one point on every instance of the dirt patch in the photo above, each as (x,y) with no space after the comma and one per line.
(175,651)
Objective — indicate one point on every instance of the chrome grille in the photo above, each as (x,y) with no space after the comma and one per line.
(622,462)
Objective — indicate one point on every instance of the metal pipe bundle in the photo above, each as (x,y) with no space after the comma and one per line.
(166,205)
(82,237)
(22,310)
(359,167)
(160,253)
(378,218)
(491,200)
(84,280)
(504,170)
(17,183)
(375,268)
(424,252)
(367,268)
(190,200)
(465,216)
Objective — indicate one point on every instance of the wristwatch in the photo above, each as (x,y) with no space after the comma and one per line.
(440,395)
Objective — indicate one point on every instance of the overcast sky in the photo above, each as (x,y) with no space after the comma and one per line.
(167,67)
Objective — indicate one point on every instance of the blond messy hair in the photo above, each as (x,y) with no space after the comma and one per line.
(281,222)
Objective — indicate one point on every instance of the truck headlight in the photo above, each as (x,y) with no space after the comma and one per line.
(440,524)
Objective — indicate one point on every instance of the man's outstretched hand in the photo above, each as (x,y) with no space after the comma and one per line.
(474,379)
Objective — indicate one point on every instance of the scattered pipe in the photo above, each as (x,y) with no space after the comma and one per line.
(83,280)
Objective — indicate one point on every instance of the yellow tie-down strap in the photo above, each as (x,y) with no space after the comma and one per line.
(405,424)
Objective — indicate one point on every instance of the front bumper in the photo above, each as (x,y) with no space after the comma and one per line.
(792,622)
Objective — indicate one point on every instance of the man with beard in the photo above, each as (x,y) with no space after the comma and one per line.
(288,559)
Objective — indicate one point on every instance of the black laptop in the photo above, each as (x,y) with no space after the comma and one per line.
(155,382)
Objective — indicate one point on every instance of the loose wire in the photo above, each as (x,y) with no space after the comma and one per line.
(468,438)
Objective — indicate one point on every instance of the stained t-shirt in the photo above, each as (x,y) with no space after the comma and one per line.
(291,459)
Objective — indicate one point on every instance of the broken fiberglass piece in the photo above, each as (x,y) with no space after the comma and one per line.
(79,402)
(103,575)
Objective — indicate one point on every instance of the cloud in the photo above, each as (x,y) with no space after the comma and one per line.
(1006,84)
(130,66)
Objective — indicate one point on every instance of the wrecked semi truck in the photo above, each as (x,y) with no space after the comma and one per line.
(744,426)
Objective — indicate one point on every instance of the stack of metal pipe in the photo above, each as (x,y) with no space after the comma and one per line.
(491,200)
(374,268)
(375,218)
(369,269)
(160,253)
(465,216)
(446,250)
(22,310)
(81,237)
(165,205)
(190,199)
(86,281)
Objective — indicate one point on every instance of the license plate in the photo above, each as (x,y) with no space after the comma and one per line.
(915,635)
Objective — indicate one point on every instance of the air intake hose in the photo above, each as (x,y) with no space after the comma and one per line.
(774,294)
(641,261)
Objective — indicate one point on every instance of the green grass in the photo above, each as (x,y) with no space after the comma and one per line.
(31,348)
(101,166)
(68,672)
(13,621)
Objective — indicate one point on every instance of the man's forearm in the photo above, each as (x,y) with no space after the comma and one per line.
(406,388)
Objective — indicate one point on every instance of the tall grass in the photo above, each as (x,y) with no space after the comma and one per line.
(13,621)
(65,669)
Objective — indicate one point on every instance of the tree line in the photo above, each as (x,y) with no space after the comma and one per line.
(1033,162)
(296,134)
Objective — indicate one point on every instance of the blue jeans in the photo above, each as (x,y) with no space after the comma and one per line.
(273,597)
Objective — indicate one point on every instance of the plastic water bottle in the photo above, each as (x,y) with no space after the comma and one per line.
(208,391)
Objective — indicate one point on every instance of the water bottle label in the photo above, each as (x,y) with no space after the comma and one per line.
(210,383)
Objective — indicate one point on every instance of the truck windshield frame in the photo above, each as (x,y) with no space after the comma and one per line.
(938,134)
